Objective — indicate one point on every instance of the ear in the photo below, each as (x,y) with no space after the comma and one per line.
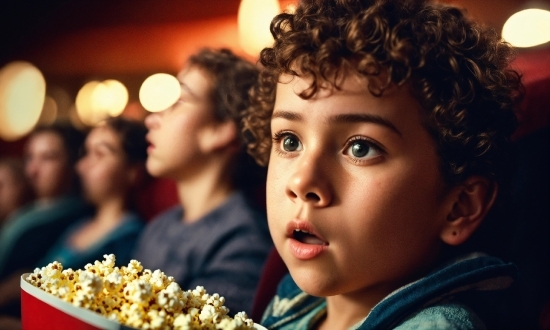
(468,204)
(217,136)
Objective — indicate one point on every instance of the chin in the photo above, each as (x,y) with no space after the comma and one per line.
(315,283)
(153,169)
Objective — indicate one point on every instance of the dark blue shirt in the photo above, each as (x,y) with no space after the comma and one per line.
(224,251)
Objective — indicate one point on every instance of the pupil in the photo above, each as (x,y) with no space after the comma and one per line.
(290,144)
(359,150)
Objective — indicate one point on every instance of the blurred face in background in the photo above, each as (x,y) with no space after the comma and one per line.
(47,165)
(103,170)
(12,192)
(175,134)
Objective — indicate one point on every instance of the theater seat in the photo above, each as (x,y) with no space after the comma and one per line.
(155,196)
(272,273)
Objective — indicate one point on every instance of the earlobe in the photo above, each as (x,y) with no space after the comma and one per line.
(470,202)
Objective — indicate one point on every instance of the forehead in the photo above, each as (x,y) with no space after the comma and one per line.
(352,94)
(45,140)
(195,80)
(103,135)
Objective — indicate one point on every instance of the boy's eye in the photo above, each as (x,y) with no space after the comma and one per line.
(291,143)
(360,148)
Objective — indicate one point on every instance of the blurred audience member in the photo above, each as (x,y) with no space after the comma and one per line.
(50,153)
(112,166)
(15,190)
(216,237)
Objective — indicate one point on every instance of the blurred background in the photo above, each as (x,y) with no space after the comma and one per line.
(81,60)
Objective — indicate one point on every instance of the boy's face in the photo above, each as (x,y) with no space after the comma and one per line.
(354,192)
(174,148)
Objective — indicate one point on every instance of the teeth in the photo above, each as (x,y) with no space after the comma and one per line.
(301,231)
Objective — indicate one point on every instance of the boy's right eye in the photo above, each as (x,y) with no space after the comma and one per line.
(291,143)
(287,142)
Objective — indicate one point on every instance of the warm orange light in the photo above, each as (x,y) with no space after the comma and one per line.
(527,28)
(290,8)
(22,93)
(159,91)
(49,111)
(110,97)
(97,101)
(254,19)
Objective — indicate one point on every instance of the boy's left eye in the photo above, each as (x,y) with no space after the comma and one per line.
(362,149)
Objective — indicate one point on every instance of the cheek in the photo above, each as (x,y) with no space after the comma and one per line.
(107,174)
(275,192)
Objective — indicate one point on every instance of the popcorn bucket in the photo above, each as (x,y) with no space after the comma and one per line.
(43,311)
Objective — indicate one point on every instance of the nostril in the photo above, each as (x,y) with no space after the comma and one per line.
(313,196)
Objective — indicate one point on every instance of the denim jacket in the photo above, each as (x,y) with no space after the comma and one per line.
(432,302)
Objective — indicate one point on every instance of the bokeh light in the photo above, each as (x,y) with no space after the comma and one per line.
(110,97)
(98,100)
(527,28)
(159,91)
(22,93)
(49,111)
(254,18)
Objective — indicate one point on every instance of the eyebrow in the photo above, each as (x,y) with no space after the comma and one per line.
(342,118)
(288,115)
(365,118)
(107,146)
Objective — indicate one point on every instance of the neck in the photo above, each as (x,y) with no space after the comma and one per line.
(110,212)
(203,193)
(343,311)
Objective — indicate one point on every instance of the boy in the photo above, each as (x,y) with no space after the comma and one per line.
(215,238)
(386,127)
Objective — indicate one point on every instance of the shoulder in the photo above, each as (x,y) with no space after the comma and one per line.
(448,316)
(129,228)
(169,216)
(241,209)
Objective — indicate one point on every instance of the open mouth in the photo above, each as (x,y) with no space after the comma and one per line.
(305,237)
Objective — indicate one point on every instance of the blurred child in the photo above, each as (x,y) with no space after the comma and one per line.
(15,190)
(386,125)
(216,237)
(50,153)
(112,166)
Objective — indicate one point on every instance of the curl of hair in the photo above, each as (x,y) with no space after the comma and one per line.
(457,69)
(132,137)
(73,138)
(233,79)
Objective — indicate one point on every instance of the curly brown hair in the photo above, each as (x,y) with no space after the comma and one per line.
(457,69)
(233,78)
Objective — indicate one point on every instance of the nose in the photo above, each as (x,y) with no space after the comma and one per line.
(152,120)
(309,183)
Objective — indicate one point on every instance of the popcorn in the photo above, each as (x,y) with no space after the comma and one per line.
(137,297)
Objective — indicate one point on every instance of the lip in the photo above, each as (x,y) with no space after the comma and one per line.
(304,251)
(150,146)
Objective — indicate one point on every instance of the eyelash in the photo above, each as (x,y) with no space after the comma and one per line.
(279,136)
(369,142)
